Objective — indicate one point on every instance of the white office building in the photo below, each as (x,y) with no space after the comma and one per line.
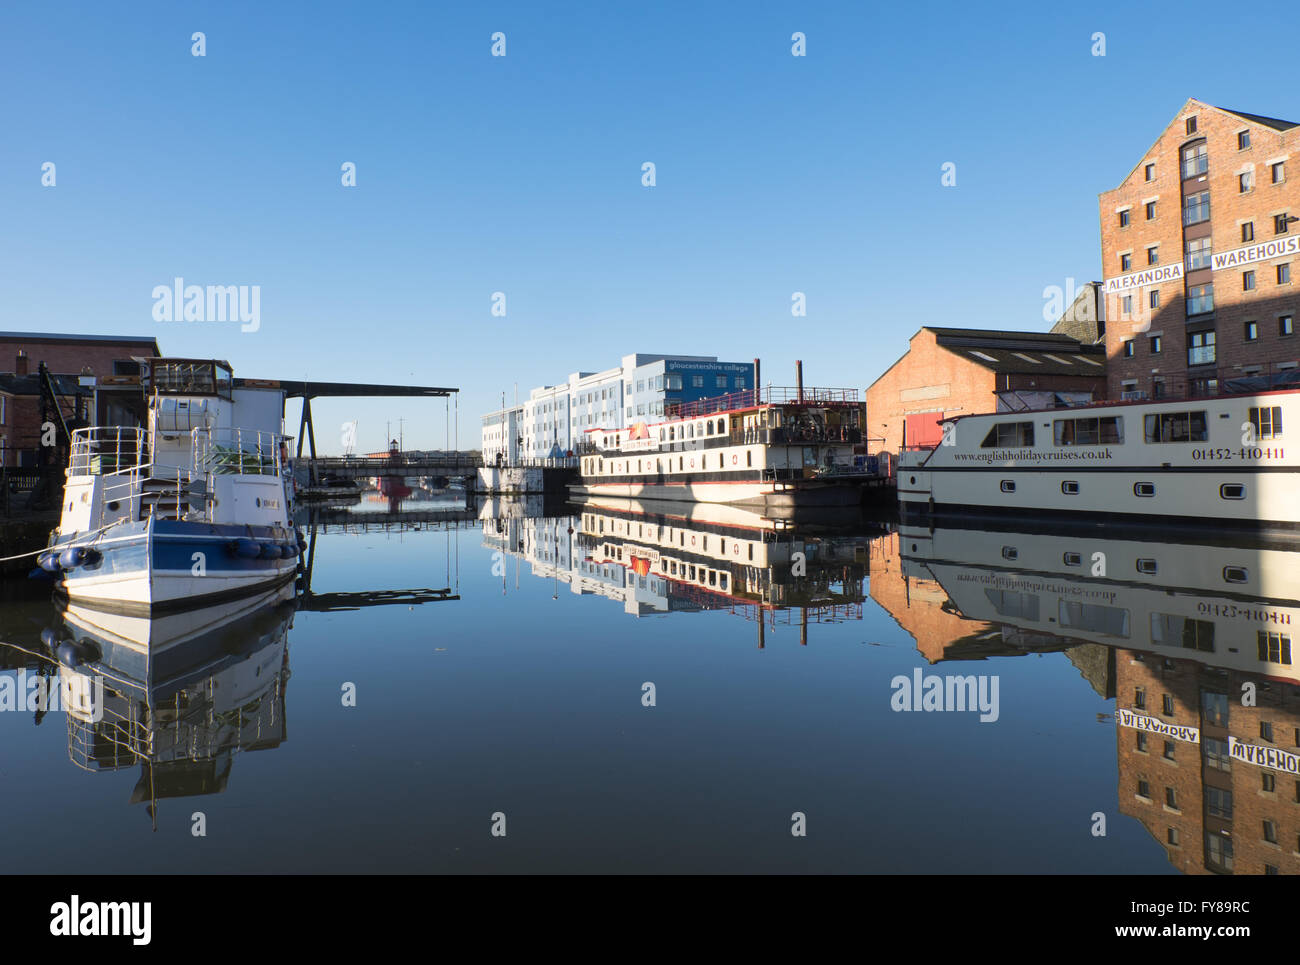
(643,388)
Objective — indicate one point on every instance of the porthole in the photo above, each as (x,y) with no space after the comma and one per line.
(1146,566)
(114,506)
(913,480)
(1072,559)
(1235,574)
(1144,489)
(1008,486)
(1010,553)
(1070,487)
(1232,491)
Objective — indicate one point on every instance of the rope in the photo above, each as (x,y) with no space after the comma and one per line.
(92,533)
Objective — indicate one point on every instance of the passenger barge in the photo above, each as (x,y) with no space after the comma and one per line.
(1219,461)
(776,448)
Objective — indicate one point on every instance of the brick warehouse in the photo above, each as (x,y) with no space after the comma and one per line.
(1200,249)
(67,357)
(962,371)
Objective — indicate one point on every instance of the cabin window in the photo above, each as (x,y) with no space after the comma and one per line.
(1107,620)
(672,433)
(679,463)
(722,425)
(1267,422)
(1072,559)
(1144,489)
(690,430)
(1146,566)
(1009,435)
(722,581)
(1008,486)
(1070,487)
(1088,432)
(1176,427)
(709,428)
(1232,491)
(1235,574)
(749,458)
(1273,647)
(661,435)
(1010,553)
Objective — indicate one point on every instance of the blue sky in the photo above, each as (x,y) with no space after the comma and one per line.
(522,174)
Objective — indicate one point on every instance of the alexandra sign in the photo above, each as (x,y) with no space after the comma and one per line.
(1126,718)
(1141,279)
(1277,248)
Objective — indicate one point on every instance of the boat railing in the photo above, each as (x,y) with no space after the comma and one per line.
(767,395)
(794,435)
(166,491)
(101,450)
(237,451)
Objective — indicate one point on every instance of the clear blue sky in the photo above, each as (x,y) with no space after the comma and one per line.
(522,174)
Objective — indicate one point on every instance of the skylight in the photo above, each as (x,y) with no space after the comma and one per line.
(986,358)
(1057,358)
(1027,358)
(1084,358)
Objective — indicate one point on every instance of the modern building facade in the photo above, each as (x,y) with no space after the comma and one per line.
(1200,248)
(965,371)
(554,419)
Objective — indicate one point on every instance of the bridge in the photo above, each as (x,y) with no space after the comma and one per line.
(396,464)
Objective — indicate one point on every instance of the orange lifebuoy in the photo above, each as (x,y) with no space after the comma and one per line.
(734,459)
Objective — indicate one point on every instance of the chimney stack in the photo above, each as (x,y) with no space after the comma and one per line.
(20,363)
(757,381)
(798,377)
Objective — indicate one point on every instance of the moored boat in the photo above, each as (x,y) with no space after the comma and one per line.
(1218,461)
(774,448)
(189,508)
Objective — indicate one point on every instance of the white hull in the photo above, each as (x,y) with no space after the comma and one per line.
(1212,461)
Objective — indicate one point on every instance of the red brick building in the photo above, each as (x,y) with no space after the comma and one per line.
(963,371)
(1200,248)
(68,357)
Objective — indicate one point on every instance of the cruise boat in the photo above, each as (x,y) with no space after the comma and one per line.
(188,507)
(1218,461)
(776,448)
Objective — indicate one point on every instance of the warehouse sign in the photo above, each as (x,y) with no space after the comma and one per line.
(1263,756)
(1126,718)
(1141,279)
(1277,248)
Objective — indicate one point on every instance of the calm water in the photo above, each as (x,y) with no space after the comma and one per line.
(500,666)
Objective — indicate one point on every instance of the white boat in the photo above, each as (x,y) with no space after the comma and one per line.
(188,509)
(1218,461)
(774,448)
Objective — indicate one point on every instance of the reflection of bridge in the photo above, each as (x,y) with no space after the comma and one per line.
(403,464)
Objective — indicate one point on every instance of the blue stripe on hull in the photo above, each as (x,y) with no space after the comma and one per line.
(123,573)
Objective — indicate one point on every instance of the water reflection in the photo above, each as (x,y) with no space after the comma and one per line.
(1192,640)
(176,696)
(658,558)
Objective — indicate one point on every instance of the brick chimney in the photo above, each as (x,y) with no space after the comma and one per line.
(20,363)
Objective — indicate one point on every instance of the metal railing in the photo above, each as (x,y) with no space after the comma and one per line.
(101,450)
(249,452)
(769,395)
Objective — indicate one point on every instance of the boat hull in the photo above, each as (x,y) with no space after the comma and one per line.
(160,565)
